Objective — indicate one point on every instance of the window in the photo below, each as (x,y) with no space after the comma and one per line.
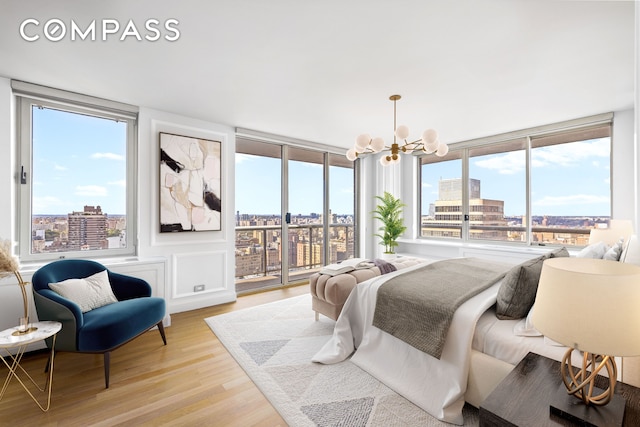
(77,162)
(570,184)
(549,185)
(442,195)
(498,202)
(341,209)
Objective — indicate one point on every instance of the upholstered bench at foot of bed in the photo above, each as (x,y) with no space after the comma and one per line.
(329,293)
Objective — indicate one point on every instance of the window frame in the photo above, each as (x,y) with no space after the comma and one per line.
(28,96)
(531,134)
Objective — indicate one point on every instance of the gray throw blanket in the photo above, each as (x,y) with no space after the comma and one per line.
(417,307)
(384,266)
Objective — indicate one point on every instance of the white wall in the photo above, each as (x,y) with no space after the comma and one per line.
(7,160)
(174,262)
(194,258)
(624,186)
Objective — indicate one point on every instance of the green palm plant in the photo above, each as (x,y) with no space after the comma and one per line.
(389,212)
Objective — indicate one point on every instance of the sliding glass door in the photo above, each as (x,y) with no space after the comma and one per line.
(306,218)
(258,200)
(305,195)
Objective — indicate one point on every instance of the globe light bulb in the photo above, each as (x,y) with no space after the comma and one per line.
(384,161)
(362,141)
(351,154)
(442,150)
(402,132)
(429,136)
(431,146)
(377,144)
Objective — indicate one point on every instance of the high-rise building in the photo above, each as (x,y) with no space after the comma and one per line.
(88,229)
(447,217)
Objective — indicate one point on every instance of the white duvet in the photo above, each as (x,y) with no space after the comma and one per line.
(437,386)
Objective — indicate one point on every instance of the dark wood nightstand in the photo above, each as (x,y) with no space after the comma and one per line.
(523,397)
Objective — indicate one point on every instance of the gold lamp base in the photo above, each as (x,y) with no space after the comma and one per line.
(580,401)
(581,382)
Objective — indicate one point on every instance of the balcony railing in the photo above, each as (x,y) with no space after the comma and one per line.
(259,259)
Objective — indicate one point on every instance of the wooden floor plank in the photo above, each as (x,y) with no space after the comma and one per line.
(192,381)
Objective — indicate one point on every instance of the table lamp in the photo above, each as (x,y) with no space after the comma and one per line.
(590,305)
(9,265)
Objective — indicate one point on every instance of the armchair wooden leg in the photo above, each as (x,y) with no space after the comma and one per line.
(161,329)
(107,358)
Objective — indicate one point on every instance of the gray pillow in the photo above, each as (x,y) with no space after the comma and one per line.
(518,289)
(558,253)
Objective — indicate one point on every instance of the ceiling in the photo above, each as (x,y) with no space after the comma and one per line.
(323,71)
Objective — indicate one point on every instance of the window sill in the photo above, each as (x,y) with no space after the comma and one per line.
(418,244)
(32,267)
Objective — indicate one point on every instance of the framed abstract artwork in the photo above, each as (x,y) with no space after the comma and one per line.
(190,184)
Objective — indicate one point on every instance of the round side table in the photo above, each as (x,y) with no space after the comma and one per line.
(10,340)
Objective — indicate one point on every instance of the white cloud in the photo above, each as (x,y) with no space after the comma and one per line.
(241,158)
(578,199)
(91,190)
(110,156)
(42,204)
(506,164)
(567,155)
(426,185)
(60,167)
(120,183)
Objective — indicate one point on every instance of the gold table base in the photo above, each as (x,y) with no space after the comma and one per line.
(13,363)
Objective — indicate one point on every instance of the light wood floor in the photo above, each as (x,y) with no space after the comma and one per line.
(193,381)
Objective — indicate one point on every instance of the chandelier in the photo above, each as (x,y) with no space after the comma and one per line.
(429,143)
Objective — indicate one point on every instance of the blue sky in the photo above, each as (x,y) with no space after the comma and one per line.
(258,181)
(77,160)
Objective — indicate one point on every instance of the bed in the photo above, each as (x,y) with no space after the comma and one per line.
(480,349)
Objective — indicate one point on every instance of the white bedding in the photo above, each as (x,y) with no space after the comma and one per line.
(496,338)
(437,386)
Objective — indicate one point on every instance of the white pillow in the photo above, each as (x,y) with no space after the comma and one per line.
(525,328)
(614,252)
(596,250)
(89,293)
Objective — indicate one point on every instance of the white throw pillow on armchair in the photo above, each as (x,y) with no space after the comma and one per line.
(89,293)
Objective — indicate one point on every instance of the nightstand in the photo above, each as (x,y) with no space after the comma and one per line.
(523,397)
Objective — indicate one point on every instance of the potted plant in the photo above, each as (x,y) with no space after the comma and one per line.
(389,212)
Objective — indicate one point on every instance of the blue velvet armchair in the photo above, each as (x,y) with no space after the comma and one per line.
(102,329)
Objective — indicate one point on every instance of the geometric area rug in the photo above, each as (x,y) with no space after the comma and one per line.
(274,344)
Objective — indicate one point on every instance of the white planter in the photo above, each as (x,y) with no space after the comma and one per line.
(388,257)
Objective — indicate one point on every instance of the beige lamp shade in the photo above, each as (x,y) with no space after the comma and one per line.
(592,305)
